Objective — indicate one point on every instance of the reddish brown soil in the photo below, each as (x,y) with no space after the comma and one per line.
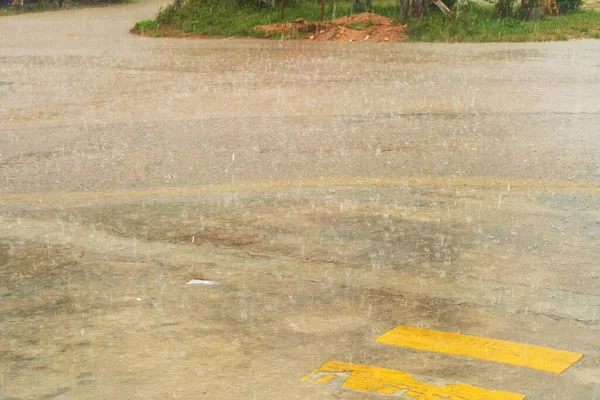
(374,33)
(363,17)
(381,30)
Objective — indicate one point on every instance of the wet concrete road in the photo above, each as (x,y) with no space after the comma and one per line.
(332,192)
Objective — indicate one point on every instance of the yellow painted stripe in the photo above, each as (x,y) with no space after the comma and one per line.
(304,183)
(501,351)
(367,378)
(325,378)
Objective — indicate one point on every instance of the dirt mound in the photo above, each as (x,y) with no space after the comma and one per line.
(376,19)
(371,34)
(382,29)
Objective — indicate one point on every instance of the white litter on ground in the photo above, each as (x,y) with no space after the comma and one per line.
(200,282)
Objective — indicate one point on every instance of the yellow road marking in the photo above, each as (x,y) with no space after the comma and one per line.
(367,378)
(502,351)
(325,378)
(304,183)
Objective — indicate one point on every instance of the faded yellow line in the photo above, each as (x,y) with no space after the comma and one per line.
(367,378)
(304,183)
(502,351)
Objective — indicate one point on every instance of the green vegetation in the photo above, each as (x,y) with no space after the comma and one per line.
(568,6)
(146,24)
(227,18)
(480,23)
(473,22)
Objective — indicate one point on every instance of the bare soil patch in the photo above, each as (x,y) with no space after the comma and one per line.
(370,34)
(376,19)
(377,29)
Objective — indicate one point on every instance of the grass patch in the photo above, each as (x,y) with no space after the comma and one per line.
(477,23)
(474,22)
(229,19)
(147,24)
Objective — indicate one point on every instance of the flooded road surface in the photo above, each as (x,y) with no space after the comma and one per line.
(409,220)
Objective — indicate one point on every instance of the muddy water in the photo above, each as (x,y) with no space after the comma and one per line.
(95,301)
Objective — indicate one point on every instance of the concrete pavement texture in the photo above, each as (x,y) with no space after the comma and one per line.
(334,193)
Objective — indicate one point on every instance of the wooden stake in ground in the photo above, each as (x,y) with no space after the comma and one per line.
(282,5)
(443,7)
